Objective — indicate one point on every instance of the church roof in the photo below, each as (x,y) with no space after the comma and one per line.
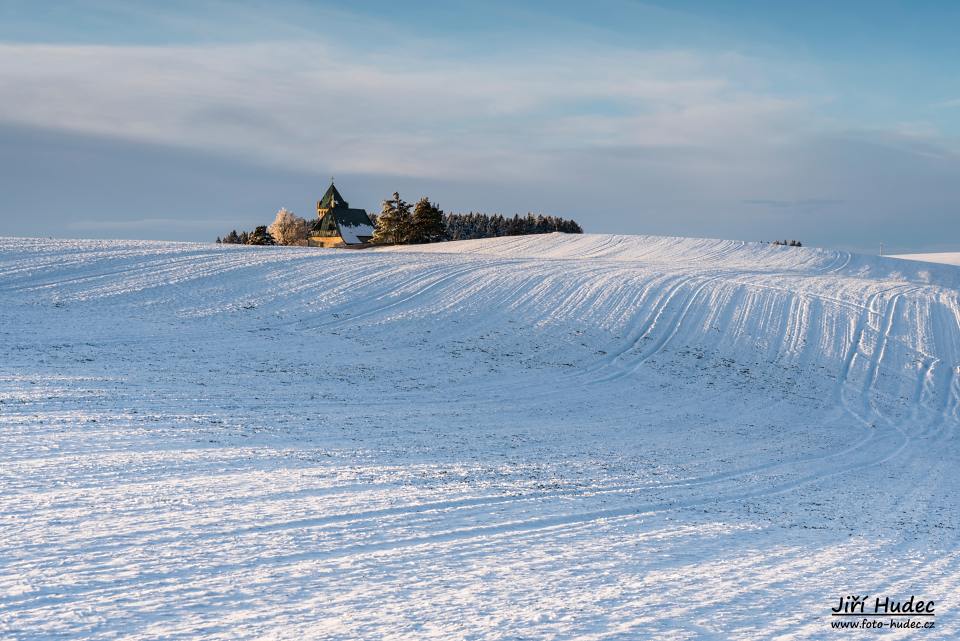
(332,199)
(352,224)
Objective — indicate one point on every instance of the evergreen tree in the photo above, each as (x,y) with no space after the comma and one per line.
(448,225)
(243,238)
(498,225)
(530,224)
(260,236)
(232,238)
(405,216)
(218,240)
(427,222)
(394,224)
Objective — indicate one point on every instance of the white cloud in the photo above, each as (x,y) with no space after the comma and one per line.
(141,223)
(319,107)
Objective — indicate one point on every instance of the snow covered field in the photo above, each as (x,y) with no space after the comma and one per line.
(948,258)
(566,437)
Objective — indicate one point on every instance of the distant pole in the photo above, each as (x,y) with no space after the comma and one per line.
(881,248)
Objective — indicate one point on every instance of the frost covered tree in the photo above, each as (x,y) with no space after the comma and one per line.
(394,222)
(288,228)
(427,222)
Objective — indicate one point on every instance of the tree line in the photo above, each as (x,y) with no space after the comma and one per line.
(400,223)
(286,229)
(259,236)
(474,225)
(425,222)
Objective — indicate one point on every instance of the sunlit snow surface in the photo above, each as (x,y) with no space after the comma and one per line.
(947,258)
(568,437)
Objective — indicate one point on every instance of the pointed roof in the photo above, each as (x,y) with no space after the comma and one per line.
(332,199)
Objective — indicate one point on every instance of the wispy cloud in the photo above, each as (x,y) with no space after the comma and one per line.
(315,106)
(172,224)
(804,203)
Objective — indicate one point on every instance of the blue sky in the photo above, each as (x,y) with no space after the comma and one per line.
(834,123)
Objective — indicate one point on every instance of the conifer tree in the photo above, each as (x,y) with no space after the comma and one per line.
(474,225)
(426,223)
(394,224)
(260,236)
(530,224)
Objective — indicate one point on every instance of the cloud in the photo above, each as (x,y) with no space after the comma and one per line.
(689,142)
(948,103)
(804,204)
(173,225)
(317,107)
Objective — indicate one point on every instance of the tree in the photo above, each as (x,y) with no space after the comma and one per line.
(232,238)
(260,236)
(243,238)
(474,225)
(426,223)
(288,228)
(219,241)
(394,222)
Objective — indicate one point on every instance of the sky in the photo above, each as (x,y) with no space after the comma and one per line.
(837,124)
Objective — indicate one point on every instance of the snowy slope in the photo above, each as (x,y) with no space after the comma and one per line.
(948,258)
(591,437)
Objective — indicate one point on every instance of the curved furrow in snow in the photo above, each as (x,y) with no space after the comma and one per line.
(224,419)
(489,277)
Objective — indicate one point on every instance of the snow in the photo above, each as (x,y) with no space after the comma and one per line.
(949,258)
(567,437)
(351,233)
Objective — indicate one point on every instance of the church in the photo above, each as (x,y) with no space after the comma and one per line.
(338,225)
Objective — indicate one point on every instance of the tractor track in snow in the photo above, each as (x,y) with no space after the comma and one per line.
(184,434)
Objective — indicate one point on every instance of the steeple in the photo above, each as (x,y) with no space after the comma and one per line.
(332,200)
